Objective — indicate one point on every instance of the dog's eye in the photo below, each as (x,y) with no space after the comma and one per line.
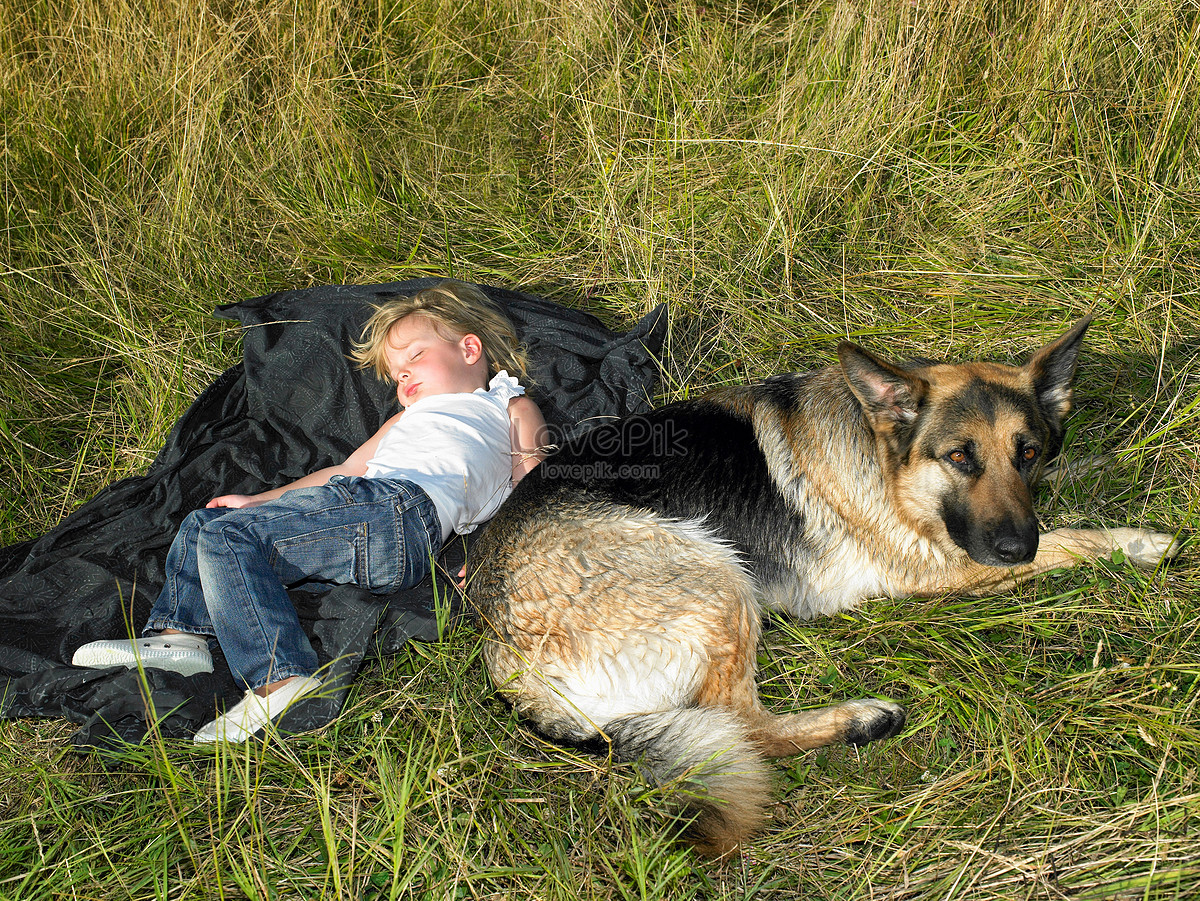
(957,456)
(1029,454)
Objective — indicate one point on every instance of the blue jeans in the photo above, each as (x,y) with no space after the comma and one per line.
(228,569)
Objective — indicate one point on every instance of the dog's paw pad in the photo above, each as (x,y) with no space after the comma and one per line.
(1147,548)
(872,720)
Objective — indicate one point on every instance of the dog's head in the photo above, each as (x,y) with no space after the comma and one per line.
(961,445)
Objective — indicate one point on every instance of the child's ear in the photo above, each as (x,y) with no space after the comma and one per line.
(472,348)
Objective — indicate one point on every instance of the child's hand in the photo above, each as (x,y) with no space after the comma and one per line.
(234,500)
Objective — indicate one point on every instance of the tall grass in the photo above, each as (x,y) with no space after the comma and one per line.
(943,177)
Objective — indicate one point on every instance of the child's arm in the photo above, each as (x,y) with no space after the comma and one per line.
(354,465)
(529,434)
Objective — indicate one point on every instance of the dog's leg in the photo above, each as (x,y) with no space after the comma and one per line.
(730,682)
(1065,548)
(852,723)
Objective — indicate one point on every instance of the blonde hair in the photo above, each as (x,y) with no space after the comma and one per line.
(455,308)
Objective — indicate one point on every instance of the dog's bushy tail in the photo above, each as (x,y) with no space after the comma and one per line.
(724,781)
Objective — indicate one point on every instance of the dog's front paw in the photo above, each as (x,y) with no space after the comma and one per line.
(1146,548)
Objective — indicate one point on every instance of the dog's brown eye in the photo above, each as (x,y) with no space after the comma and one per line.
(1030,453)
(957,456)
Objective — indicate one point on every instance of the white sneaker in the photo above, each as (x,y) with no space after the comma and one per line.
(253,712)
(178,653)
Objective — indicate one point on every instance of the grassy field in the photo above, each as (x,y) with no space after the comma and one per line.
(951,178)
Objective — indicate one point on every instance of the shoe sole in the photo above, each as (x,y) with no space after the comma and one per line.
(183,661)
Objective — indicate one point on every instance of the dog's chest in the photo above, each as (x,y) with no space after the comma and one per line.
(838,580)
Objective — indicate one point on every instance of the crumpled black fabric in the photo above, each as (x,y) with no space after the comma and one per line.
(293,405)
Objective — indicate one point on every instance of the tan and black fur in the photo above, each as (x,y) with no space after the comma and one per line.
(621,585)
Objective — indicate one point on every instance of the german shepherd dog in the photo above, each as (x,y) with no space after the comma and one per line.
(620,587)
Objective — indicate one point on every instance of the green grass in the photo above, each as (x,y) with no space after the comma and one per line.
(946,178)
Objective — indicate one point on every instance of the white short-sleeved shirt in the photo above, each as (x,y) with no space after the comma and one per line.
(458,448)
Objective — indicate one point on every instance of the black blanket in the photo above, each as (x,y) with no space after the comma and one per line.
(295,404)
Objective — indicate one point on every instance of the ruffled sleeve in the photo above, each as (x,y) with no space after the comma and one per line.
(504,387)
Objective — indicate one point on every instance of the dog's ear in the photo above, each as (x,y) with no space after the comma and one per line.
(1052,370)
(890,396)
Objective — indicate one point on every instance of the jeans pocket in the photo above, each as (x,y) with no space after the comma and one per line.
(409,562)
(336,555)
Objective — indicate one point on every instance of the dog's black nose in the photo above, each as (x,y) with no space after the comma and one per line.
(1014,540)
(1015,548)
(1012,550)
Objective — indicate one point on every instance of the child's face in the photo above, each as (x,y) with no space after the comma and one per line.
(424,364)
